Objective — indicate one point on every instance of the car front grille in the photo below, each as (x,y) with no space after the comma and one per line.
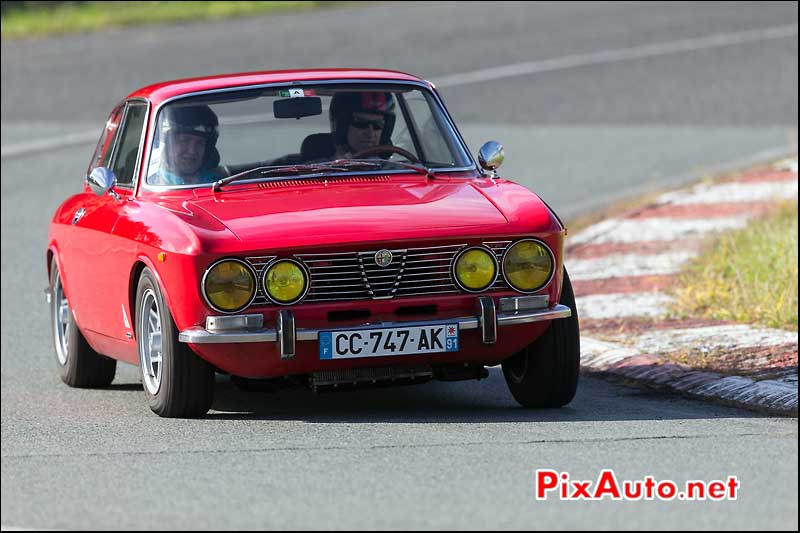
(346,276)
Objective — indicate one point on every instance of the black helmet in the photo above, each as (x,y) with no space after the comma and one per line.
(343,105)
(197,120)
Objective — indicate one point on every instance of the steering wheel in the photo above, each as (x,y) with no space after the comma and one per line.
(386,148)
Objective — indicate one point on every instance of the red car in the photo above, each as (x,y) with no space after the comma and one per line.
(328,227)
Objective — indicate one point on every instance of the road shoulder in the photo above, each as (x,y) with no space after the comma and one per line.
(621,268)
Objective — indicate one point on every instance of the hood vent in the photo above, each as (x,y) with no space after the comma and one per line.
(321,181)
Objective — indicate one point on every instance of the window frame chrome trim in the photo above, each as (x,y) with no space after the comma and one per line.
(142,137)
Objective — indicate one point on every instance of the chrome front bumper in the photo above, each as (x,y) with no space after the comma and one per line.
(249,328)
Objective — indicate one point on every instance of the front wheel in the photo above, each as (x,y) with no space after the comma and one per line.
(78,364)
(545,374)
(177,383)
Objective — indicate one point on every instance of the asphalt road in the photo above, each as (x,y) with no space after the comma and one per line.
(599,103)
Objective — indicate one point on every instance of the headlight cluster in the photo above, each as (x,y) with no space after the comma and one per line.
(229,285)
(527,267)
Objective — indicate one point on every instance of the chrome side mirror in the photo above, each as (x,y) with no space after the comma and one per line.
(491,156)
(102,180)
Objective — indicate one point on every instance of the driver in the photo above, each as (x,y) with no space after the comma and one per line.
(189,136)
(360,121)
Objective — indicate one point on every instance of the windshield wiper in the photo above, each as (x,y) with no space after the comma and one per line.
(419,168)
(352,164)
(266,171)
(333,166)
(337,165)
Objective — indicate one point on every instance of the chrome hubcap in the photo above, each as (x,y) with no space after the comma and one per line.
(60,321)
(150,345)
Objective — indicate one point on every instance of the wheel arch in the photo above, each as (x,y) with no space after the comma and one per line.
(137,268)
(51,255)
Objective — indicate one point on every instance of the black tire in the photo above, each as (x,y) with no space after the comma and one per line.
(78,364)
(185,385)
(545,374)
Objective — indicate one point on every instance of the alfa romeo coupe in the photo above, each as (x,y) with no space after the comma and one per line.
(327,227)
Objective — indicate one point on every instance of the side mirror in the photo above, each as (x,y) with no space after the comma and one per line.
(102,180)
(491,156)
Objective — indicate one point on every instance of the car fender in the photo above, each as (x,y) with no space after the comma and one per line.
(143,257)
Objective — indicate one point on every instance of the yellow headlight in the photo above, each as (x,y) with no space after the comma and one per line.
(285,282)
(229,285)
(527,266)
(476,269)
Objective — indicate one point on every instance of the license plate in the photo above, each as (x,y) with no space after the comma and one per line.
(379,342)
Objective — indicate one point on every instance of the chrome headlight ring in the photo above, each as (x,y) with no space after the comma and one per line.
(552,265)
(211,267)
(266,270)
(455,262)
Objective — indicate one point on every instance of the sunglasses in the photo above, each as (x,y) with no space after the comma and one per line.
(377,125)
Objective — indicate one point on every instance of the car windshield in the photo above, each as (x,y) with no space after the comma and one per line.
(361,127)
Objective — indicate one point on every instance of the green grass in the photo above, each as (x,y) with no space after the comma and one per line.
(747,276)
(88,16)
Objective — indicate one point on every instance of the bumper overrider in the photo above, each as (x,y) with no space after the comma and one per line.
(487,318)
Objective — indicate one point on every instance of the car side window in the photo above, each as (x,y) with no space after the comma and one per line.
(102,153)
(127,148)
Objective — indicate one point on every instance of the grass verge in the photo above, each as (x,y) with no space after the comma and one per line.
(87,16)
(747,276)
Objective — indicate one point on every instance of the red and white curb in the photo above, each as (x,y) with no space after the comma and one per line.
(621,267)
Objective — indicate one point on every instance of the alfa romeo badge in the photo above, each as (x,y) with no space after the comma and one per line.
(383,258)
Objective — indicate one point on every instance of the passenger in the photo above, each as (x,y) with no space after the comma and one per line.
(189,136)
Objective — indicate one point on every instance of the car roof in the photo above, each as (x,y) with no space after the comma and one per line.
(162,91)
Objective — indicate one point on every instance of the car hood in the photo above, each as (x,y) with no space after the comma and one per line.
(297,213)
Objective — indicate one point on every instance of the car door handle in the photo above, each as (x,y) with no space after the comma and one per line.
(78,215)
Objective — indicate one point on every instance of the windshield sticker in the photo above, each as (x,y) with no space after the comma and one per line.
(297,93)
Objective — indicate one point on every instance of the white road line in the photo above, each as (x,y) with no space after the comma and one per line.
(617,230)
(627,265)
(603,306)
(506,71)
(49,143)
(89,136)
(732,192)
(614,56)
